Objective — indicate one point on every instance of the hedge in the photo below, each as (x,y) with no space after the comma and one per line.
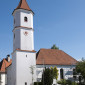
(37,83)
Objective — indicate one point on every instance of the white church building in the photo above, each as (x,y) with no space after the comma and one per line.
(24,56)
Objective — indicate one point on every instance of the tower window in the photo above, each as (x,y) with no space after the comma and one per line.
(14,36)
(14,21)
(26,55)
(25,19)
(25,83)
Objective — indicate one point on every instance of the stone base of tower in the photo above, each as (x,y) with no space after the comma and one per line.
(19,73)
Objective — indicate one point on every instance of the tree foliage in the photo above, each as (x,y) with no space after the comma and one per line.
(54,72)
(48,75)
(66,82)
(32,72)
(54,47)
(80,68)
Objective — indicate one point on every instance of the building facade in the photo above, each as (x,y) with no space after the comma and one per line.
(4,64)
(55,58)
(23,56)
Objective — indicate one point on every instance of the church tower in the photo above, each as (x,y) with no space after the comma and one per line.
(23,56)
(23,27)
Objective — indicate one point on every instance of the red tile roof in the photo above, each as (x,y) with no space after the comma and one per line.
(23,5)
(4,64)
(54,57)
(47,57)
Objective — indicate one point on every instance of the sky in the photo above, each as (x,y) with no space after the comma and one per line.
(60,22)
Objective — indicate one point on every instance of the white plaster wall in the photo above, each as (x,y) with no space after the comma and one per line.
(9,75)
(19,18)
(27,42)
(23,64)
(11,71)
(16,40)
(22,41)
(68,71)
(29,15)
(3,79)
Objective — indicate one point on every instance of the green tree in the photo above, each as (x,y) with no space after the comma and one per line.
(54,47)
(48,75)
(80,68)
(55,73)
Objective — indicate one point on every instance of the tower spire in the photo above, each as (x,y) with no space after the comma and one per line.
(23,5)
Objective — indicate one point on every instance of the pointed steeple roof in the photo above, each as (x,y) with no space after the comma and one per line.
(23,5)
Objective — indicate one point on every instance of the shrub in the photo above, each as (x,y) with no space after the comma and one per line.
(59,82)
(37,83)
(69,82)
(74,83)
(62,82)
(66,82)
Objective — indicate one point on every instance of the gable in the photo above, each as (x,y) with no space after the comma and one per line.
(4,64)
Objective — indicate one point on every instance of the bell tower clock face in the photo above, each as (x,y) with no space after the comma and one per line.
(26,33)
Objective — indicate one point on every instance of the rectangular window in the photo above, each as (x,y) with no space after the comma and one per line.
(61,74)
(74,73)
(25,83)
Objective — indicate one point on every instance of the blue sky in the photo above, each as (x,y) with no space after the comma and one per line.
(60,22)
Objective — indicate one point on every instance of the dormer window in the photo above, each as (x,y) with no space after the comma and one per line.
(25,19)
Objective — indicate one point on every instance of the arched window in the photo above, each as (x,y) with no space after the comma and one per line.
(61,73)
(25,19)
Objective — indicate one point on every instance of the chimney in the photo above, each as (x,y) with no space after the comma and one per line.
(8,58)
